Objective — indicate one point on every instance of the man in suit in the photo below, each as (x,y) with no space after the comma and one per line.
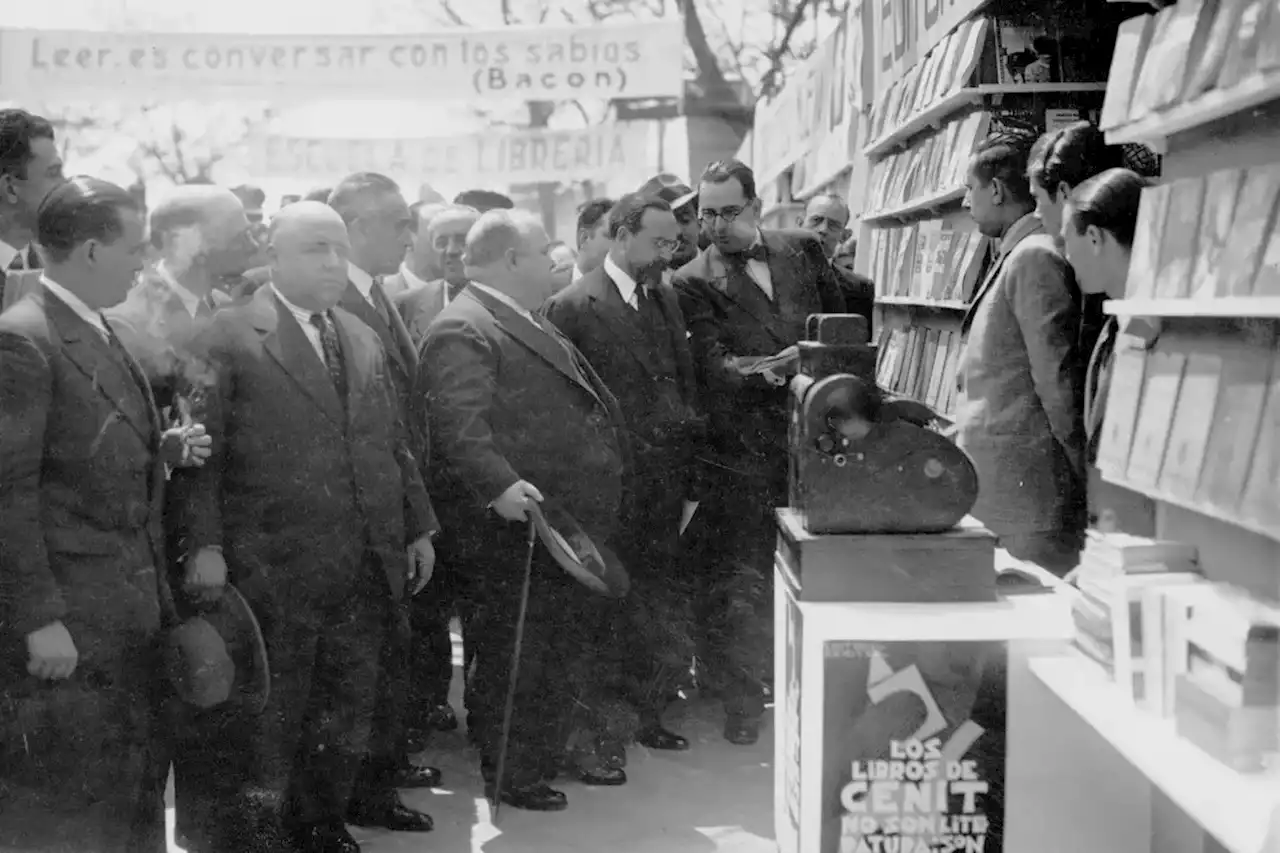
(1020,375)
(447,234)
(827,216)
(748,294)
(202,235)
(593,236)
(421,263)
(81,599)
(377,220)
(30,167)
(313,497)
(684,204)
(628,325)
(516,413)
(484,200)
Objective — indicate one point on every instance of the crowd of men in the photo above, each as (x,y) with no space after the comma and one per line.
(326,433)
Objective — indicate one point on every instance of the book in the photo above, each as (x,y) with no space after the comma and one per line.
(1147,90)
(1203,74)
(1267,280)
(1185,38)
(1229,454)
(1128,375)
(1126,550)
(1242,52)
(1255,213)
(1178,240)
(1159,399)
(1192,421)
(1145,259)
(1260,503)
(1268,58)
(1222,189)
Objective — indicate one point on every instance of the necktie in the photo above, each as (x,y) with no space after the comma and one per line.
(755,252)
(378,297)
(648,308)
(332,353)
(135,372)
(19,261)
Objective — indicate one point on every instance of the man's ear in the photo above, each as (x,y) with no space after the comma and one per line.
(800,221)
(757,205)
(845,234)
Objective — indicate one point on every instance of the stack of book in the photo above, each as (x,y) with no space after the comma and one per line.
(1199,428)
(937,260)
(920,363)
(1115,571)
(933,167)
(1209,237)
(1186,50)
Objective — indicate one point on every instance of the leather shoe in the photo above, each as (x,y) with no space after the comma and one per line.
(388,812)
(603,776)
(414,776)
(656,737)
(741,731)
(324,838)
(415,740)
(612,755)
(539,797)
(440,719)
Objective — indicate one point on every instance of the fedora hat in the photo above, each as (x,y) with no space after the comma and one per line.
(593,564)
(670,189)
(218,656)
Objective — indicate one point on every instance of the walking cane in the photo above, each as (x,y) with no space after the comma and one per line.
(507,709)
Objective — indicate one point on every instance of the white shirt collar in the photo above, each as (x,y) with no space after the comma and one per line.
(411,279)
(506,300)
(626,284)
(7,254)
(76,304)
(301,315)
(577,273)
(189,300)
(362,280)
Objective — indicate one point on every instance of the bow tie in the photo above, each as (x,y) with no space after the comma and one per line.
(756,252)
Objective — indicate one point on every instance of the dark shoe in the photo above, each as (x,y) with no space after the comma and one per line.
(613,755)
(656,737)
(415,740)
(440,719)
(539,797)
(602,776)
(387,812)
(324,838)
(741,731)
(413,776)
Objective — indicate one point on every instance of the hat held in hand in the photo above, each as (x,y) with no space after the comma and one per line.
(593,564)
(219,656)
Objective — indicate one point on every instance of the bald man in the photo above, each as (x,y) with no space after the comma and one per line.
(516,414)
(447,236)
(318,506)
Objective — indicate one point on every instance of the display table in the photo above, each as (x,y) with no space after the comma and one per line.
(892,669)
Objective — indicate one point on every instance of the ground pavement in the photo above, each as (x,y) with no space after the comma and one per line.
(715,798)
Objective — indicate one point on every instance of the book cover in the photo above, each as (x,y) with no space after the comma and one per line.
(1147,90)
(1242,53)
(1178,240)
(946,50)
(968,55)
(1260,503)
(1146,242)
(1255,213)
(1159,399)
(1269,38)
(1132,42)
(1192,421)
(970,270)
(943,250)
(1175,47)
(1174,90)
(1242,393)
(1203,72)
(1267,281)
(1222,189)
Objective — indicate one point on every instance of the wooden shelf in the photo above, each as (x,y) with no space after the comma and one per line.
(1226,306)
(923,304)
(932,115)
(1225,516)
(1235,808)
(922,204)
(1154,130)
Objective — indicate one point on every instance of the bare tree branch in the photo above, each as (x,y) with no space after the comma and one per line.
(772,78)
(452,15)
(586,119)
(508,17)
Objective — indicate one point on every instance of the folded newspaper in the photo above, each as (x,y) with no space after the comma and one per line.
(750,365)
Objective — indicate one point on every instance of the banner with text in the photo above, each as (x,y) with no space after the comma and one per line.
(901,32)
(492,159)
(639,60)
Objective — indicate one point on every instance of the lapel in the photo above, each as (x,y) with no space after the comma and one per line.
(538,339)
(619,317)
(285,342)
(679,342)
(1020,230)
(359,362)
(359,306)
(112,371)
(742,290)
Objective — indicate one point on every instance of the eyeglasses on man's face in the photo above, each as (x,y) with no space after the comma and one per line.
(728,214)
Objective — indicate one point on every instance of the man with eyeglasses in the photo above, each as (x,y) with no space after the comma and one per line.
(747,295)
(447,236)
(827,216)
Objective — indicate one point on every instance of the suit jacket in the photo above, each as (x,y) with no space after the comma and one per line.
(298,482)
(508,400)
(729,315)
(859,294)
(80,492)
(592,314)
(418,306)
(1020,376)
(394,284)
(402,354)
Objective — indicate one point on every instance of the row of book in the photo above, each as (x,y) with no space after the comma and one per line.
(934,260)
(1189,48)
(1200,427)
(935,166)
(920,363)
(1210,236)
(1205,654)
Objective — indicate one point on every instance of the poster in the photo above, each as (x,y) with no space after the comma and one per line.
(639,60)
(914,747)
(596,153)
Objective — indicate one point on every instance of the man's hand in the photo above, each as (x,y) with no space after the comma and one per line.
(185,446)
(206,575)
(422,563)
(514,504)
(52,652)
